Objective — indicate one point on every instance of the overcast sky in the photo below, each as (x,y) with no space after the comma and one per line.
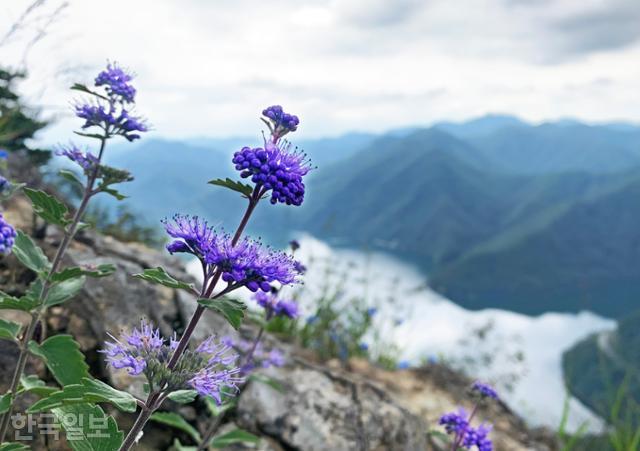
(206,68)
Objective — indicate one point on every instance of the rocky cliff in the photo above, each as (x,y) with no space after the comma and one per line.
(320,405)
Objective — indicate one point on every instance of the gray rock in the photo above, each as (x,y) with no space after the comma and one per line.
(319,409)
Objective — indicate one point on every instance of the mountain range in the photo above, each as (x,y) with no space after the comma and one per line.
(498,212)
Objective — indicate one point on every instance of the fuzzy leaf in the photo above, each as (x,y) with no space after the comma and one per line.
(160,276)
(32,384)
(70,176)
(183,396)
(90,391)
(5,402)
(98,431)
(76,271)
(26,303)
(176,421)
(29,254)
(48,207)
(231,309)
(234,437)
(9,330)
(233,185)
(64,291)
(62,356)
(114,192)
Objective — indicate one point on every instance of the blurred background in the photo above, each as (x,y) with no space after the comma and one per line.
(476,200)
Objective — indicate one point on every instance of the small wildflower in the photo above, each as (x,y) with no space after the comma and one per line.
(86,160)
(371,312)
(261,357)
(116,82)
(209,369)
(4,154)
(403,365)
(275,168)
(455,422)
(7,236)
(485,390)
(274,306)
(281,123)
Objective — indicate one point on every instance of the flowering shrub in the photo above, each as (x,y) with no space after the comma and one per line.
(215,370)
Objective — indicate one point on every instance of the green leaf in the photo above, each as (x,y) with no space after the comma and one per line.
(271,382)
(13,447)
(231,309)
(217,410)
(25,303)
(29,254)
(114,192)
(70,176)
(176,421)
(239,187)
(64,291)
(85,436)
(48,207)
(183,396)
(9,330)
(90,391)
(90,135)
(32,384)
(62,356)
(234,437)
(11,189)
(76,271)
(82,88)
(160,276)
(5,402)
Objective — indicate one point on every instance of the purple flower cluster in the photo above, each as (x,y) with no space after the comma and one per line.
(275,168)
(247,263)
(7,236)
(261,357)
(484,390)
(210,369)
(457,424)
(110,112)
(281,122)
(86,160)
(274,306)
(116,82)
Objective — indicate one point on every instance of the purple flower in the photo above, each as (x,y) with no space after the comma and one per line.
(210,368)
(273,306)
(477,437)
(261,357)
(4,154)
(485,390)
(116,82)
(371,312)
(7,236)
(280,123)
(455,422)
(249,263)
(193,235)
(275,168)
(86,160)
(403,365)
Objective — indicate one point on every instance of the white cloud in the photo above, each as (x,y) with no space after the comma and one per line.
(208,68)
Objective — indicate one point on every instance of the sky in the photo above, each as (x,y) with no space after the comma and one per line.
(207,68)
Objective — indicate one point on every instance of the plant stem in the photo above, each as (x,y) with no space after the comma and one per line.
(155,401)
(141,421)
(46,286)
(460,437)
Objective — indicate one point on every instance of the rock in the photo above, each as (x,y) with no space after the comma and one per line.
(319,409)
